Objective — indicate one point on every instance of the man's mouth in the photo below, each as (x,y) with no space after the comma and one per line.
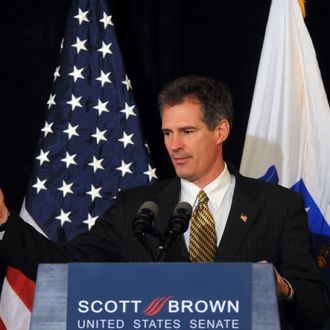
(180,160)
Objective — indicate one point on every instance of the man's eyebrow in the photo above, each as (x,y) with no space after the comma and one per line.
(183,128)
(188,127)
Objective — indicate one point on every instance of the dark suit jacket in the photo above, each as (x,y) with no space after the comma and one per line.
(276,230)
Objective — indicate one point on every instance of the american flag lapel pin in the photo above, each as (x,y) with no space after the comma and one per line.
(243,217)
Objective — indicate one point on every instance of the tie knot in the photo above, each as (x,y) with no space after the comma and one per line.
(202,197)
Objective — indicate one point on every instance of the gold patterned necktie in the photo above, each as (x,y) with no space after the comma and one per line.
(203,238)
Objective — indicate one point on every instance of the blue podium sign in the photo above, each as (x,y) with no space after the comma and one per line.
(159,296)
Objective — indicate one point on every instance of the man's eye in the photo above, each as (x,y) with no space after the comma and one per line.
(188,131)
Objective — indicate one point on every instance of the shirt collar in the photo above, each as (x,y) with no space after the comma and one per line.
(215,190)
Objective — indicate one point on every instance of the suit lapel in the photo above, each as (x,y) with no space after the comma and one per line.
(245,206)
(166,199)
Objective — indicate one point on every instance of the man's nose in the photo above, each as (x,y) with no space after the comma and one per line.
(176,142)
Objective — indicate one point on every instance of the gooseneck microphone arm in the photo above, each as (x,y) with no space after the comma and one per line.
(178,224)
(143,224)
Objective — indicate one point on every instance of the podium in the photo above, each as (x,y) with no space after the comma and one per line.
(155,296)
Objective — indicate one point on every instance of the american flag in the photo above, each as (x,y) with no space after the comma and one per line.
(90,147)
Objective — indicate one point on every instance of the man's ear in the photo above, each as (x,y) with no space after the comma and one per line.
(222,129)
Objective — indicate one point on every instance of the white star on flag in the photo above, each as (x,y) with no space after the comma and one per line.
(66,188)
(71,131)
(62,42)
(128,110)
(43,157)
(105,49)
(151,173)
(94,192)
(126,139)
(51,100)
(75,102)
(127,83)
(104,78)
(47,128)
(76,73)
(90,221)
(96,164)
(124,168)
(99,135)
(106,20)
(57,73)
(82,16)
(40,185)
(80,45)
(101,106)
(147,147)
(69,159)
(64,217)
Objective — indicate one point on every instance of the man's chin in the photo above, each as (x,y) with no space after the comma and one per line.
(183,174)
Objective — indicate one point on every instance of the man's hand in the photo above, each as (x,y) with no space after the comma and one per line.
(3,209)
(284,289)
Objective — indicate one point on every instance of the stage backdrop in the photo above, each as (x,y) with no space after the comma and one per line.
(160,40)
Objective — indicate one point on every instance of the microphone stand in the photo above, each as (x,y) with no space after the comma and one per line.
(164,246)
(143,240)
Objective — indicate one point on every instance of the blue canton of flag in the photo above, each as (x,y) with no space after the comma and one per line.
(91,146)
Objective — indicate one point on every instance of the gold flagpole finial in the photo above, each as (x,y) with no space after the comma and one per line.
(302,7)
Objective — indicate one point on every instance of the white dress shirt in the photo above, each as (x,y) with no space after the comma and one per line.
(220,193)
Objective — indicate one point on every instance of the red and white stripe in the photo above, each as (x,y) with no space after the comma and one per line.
(17,293)
(16,301)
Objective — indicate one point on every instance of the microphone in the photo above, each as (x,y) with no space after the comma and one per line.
(178,224)
(179,220)
(143,223)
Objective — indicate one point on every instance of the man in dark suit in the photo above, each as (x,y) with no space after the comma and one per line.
(248,220)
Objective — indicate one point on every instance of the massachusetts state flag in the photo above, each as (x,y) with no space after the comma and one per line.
(288,135)
(90,148)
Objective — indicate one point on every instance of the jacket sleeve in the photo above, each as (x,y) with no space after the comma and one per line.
(24,248)
(310,308)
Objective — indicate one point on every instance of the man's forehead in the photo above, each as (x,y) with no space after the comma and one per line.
(183,115)
(186,99)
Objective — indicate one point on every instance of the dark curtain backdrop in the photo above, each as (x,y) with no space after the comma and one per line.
(160,40)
